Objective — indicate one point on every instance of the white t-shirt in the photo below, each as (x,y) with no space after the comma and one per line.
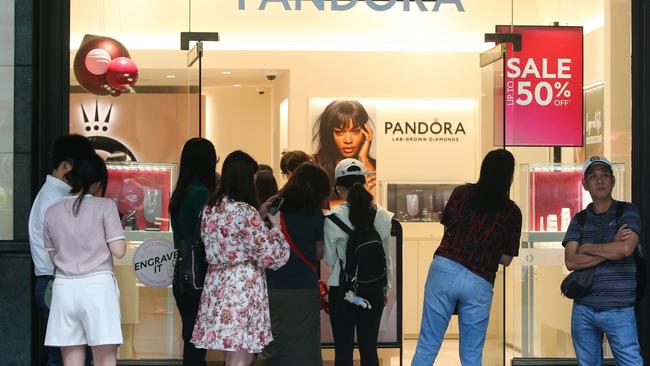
(53,191)
(336,241)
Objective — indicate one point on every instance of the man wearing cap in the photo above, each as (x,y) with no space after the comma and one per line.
(606,242)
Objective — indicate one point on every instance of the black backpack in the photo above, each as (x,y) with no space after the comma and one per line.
(365,259)
(639,260)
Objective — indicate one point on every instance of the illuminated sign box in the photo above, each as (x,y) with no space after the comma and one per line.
(543,98)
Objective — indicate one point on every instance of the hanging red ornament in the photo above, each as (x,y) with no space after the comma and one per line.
(122,73)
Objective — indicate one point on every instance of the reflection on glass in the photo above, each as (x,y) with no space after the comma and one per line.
(6,196)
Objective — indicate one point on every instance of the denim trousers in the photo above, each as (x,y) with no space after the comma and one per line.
(588,326)
(53,353)
(450,284)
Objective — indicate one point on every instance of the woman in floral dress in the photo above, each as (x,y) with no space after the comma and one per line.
(234,309)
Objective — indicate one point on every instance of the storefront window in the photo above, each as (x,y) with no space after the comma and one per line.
(413,70)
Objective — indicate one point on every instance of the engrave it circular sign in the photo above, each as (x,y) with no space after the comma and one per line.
(153,262)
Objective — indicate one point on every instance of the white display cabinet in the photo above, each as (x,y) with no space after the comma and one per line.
(141,192)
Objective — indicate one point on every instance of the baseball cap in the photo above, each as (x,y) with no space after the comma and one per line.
(349,166)
(595,160)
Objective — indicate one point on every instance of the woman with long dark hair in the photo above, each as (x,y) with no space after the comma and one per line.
(343,130)
(265,185)
(482,230)
(196,182)
(233,312)
(82,234)
(358,212)
(293,289)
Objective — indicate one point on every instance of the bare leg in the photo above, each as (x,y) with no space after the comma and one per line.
(105,355)
(238,358)
(74,355)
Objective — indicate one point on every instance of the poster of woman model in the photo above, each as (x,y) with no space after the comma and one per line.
(343,129)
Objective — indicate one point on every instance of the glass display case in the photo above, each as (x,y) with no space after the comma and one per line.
(141,192)
(551,194)
(418,202)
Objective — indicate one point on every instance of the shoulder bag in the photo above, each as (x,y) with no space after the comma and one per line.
(191,264)
(578,283)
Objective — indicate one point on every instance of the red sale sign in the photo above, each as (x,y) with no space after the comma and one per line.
(543,87)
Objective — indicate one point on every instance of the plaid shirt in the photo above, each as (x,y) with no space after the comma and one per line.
(477,240)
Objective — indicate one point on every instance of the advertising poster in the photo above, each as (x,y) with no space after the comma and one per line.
(543,87)
(402,140)
(344,128)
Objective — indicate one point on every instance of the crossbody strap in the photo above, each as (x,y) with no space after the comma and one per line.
(338,222)
(346,229)
(196,235)
(293,246)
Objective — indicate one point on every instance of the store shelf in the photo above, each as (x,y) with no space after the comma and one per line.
(141,235)
(542,236)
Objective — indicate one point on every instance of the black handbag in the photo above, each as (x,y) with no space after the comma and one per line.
(191,264)
(578,283)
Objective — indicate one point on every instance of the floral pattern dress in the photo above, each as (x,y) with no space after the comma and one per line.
(234,308)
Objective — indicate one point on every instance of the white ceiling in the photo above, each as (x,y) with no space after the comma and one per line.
(150,29)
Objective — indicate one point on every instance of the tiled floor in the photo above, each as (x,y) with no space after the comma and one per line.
(448,355)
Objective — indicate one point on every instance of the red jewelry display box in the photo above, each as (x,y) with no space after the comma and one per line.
(141,192)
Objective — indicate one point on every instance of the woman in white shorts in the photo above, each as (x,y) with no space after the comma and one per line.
(82,233)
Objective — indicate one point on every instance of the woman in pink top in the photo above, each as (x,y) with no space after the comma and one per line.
(234,308)
(82,234)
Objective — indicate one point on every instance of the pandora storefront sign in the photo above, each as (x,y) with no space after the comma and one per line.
(342,5)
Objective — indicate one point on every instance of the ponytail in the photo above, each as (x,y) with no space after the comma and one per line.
(362,210)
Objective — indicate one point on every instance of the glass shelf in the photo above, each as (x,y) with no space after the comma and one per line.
(418,202)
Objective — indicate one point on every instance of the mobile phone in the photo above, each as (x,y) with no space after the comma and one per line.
(274,207)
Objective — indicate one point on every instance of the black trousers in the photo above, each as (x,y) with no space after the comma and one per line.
(187,302)
(346,317)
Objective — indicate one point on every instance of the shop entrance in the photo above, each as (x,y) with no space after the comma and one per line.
(404,79)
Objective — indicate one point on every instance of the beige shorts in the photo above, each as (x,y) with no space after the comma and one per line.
(84,310)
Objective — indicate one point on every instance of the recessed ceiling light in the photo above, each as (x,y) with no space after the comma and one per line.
(170,76)
(226,72)
(236,85)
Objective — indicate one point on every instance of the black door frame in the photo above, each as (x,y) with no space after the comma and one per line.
(51,109)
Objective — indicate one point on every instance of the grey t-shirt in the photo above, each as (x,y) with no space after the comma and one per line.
(614,283)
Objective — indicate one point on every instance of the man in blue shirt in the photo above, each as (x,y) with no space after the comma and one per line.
(606,242)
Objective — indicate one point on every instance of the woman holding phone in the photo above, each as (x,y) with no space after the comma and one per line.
(293,289)
(233,311)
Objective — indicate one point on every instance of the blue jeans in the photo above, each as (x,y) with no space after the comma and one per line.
(449,284)
(588,326)
(53,353)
